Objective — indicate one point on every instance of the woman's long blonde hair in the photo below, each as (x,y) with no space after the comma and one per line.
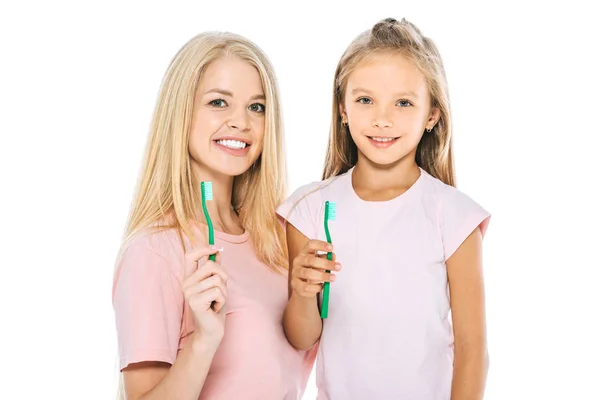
(434,152)
(167,193)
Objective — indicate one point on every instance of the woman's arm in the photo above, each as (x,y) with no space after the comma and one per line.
(467,302)
(204,290)
(181,381)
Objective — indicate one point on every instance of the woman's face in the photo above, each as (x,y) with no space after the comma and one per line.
(228,123)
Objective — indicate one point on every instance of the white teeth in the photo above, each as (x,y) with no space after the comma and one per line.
(382,139)
(232,144)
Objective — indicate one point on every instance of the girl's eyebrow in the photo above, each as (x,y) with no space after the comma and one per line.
(400,94)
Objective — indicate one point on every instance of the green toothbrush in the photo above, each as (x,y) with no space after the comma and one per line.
(207,194)
(330,208)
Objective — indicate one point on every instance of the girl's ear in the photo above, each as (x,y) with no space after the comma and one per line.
(343,114)
(434,117)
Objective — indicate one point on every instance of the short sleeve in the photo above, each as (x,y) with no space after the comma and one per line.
(302,209)
(460,216)
(148,306)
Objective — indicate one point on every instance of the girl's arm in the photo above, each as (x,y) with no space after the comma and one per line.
(467,303)
(301,319)
(181,381)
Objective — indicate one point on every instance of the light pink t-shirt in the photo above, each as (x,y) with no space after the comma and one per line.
(254,360)
(388,334)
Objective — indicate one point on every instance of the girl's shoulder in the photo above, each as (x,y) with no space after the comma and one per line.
(304,206)
(457,214)
(443,195)
(311,194)
(317,189)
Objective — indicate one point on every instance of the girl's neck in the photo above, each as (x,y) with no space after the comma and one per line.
(373,182)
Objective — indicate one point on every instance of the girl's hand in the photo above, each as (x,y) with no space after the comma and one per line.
(309,268)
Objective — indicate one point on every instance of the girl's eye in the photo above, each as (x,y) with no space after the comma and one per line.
(257,107)
(404,103)
(364,100)
(218,103)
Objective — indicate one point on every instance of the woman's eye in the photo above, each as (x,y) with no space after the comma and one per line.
(364,100)
(257,107)
(218,103)
(404,103)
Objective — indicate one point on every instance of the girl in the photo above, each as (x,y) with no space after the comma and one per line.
(189,327)
(406,243)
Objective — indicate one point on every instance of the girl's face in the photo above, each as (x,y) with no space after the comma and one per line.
(228,123)
(387,107)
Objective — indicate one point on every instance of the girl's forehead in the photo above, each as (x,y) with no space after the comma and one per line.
(387,73)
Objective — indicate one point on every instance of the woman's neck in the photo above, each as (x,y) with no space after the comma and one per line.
(222,215)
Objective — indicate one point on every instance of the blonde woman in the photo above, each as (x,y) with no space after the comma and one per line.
(190,328)
(407,243)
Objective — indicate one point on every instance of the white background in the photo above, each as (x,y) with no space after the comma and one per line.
(78,84)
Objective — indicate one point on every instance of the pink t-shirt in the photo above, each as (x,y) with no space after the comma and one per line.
(388,334)
(254,360)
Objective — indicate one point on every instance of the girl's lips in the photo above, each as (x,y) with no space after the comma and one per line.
(382,144)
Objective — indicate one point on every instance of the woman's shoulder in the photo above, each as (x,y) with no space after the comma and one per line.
(159,239)
(155,247)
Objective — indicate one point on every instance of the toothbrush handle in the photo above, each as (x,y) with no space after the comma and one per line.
(325,305)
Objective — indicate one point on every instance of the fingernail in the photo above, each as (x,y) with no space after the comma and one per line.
(217,248)
(329,247)
(338,266)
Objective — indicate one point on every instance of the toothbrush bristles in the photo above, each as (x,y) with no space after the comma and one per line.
(332,211)
(208,190)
